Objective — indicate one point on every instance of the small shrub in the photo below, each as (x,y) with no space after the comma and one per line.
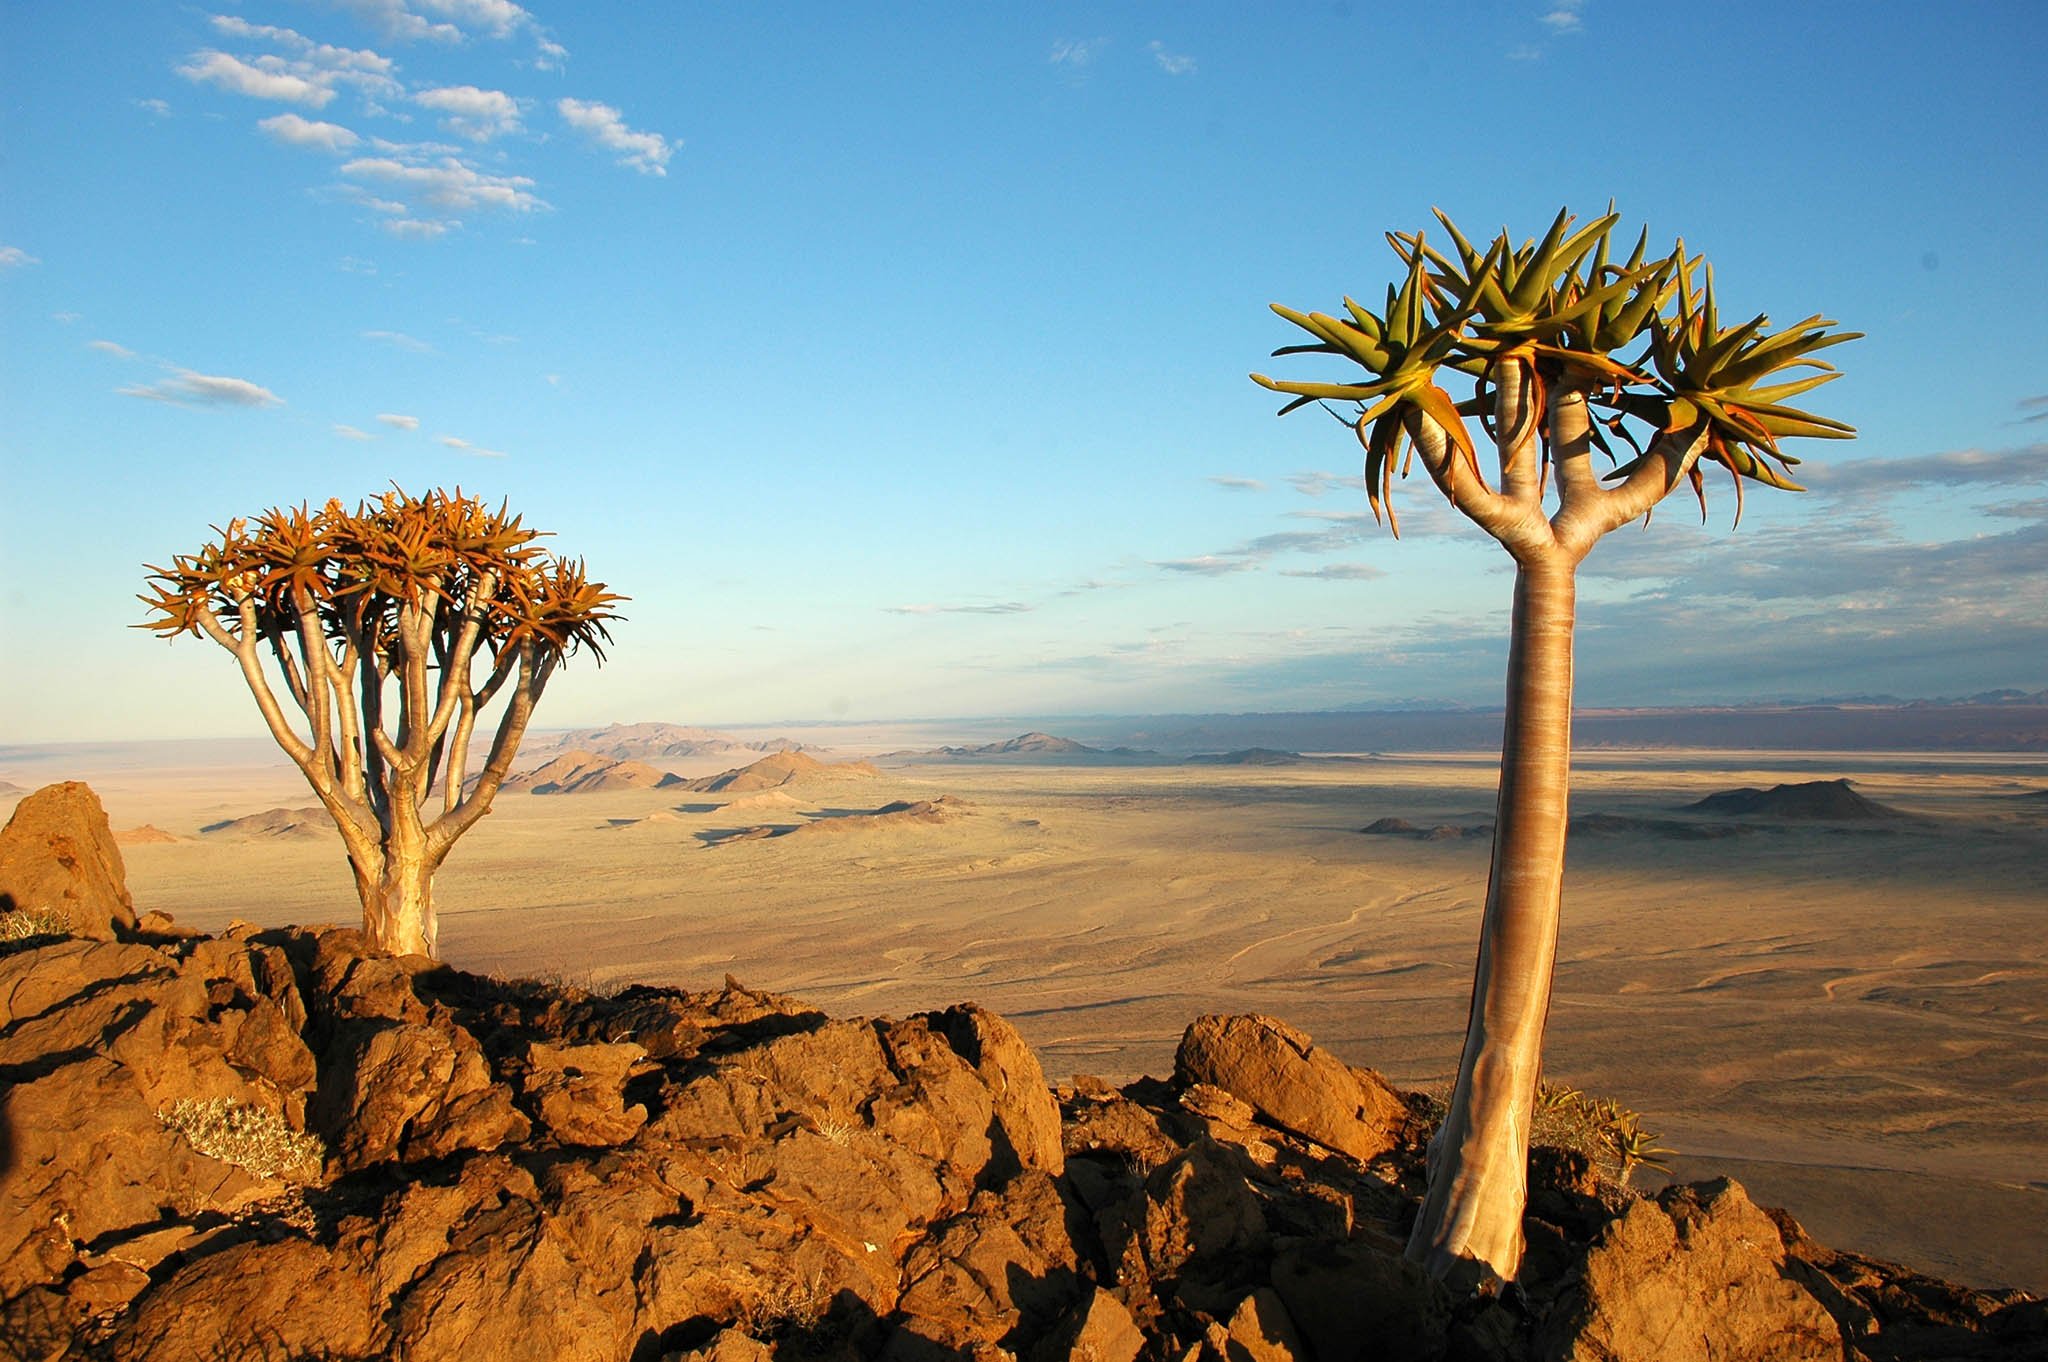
(1608,1134)
(249,1137)
(24,924)
(785,1306)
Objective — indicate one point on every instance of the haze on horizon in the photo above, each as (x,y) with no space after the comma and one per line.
(896,367)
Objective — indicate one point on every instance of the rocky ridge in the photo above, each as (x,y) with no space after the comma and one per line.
(506,1169)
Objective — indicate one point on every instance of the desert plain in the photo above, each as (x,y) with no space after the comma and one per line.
(1850,1017)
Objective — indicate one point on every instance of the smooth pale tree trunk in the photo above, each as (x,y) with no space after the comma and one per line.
(1478,1183)
(396,884)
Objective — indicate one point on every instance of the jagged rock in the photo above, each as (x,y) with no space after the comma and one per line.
(578,1090)
(1288,1081)
(57,852)
(1102,1330)
(1203,1226)
(1696,1275)
(407,1091)
(1355,1299)
(1261,1330)
(1024,1108)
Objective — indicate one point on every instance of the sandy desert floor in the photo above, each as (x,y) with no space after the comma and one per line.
(1852,1021)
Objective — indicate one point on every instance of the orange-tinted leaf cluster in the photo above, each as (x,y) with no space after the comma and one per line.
(357,570)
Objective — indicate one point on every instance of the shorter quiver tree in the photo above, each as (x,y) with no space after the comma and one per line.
(379,621)
(1542,330)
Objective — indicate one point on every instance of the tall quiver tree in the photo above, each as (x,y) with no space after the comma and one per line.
(1540,329)
(392,629)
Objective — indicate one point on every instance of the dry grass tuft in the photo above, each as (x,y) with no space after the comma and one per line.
(25,924)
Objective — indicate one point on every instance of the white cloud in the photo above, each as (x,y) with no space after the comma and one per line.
(397,421)
(187,388)
(646,152)
(420,228)
(301,132)
(1230,484)
(320,54)
(551,55)
(448,185)
(67,318)
(400,341)
(998,608)
(1077,52)
(107,347)
(14,257)
(155,108)
(394,20)
(2025,465)
(1172,63)
(351,433)
(238,76)
(1338,572)
(1208,565)
(456,442)
(1563,16)
(495,18)
(467,111)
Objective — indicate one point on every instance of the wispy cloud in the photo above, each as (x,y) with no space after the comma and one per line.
(996,608)
(188,388)
(67,318)
(1563,16)
(1172,63)
(1230,484)
(1208,565)
(351,433)
(155,108)
(468,112)
(1338,572)
(2027,464)
(1315,484)
(2036,408)
(1075,53)
(646,152)
(114,348)
(295,131)
(398,340)
(456,442)
(397,421)
(14,258)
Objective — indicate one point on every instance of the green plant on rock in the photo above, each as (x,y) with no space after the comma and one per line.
(1564,347)
(27,924)
(249,1137)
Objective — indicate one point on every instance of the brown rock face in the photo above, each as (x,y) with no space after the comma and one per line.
(515,1171)
(1697,1275)
(57,852)
(1281,1074)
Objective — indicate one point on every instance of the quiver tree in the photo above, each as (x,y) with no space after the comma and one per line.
(1540,330)
(392,629)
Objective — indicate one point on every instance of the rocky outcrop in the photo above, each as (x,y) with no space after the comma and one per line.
(1278,1071)
(509,1170)
(58,855)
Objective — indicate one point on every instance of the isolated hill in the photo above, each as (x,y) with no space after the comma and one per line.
(147,835)
(1816,800)
(770,772)
(1248,756)
(309,822)
(657,742)
(587,773)
(1027,747)
(8,787)
(899,814)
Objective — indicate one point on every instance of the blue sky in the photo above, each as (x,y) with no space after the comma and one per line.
(893,360)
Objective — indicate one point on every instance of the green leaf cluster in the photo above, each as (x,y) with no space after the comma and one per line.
(1563,310)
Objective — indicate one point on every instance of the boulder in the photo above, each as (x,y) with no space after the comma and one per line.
(578,1091)
(1696,1275)
(57,853)
(1282,1075)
